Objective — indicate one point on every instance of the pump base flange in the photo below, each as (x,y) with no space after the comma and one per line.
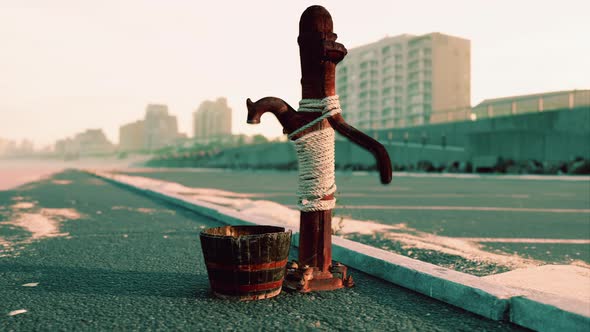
(307,279)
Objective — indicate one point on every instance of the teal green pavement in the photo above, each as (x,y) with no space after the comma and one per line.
(132,263)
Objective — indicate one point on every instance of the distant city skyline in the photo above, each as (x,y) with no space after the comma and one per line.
(72,65)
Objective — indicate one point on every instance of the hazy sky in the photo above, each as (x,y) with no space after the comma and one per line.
(67,65)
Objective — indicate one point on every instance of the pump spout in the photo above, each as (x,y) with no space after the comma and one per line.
(287,116)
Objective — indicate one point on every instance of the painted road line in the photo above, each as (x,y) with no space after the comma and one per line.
(460,208)
(389,195)
(524,240)
(466,291)
(493,176)
(449,195)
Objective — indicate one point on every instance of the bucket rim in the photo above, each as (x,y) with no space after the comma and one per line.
(277,230)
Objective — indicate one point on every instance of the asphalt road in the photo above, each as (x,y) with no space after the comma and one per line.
(126,262)
(538,219)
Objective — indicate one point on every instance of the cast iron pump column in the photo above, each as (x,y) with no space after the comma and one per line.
(319,53)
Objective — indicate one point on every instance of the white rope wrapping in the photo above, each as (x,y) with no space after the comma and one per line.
(328,106)
(315,155)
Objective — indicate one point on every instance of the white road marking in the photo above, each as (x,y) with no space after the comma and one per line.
(17,312)
(575,178)
(460,208)
(560,194)
(23,205)
(524,240)
(439,195)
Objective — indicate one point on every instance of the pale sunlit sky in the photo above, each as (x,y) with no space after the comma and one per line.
(68,65)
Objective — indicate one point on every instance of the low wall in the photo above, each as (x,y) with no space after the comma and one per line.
(552,136)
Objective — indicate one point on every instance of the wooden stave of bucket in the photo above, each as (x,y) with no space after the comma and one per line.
(246,262)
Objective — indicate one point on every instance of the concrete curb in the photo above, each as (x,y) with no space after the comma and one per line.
(456,288)
(548,312)
(538,311)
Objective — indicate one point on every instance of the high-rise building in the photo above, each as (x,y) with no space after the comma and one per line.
(160,128)
(92,142)
(406,80)
(212,120)
(132,136)
(7,146)
(88,143)
(13,148)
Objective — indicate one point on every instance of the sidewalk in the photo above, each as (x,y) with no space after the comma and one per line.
(96,256)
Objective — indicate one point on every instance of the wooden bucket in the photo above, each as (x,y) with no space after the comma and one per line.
(246,262)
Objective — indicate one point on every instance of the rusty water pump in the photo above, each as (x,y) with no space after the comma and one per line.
(319,54)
